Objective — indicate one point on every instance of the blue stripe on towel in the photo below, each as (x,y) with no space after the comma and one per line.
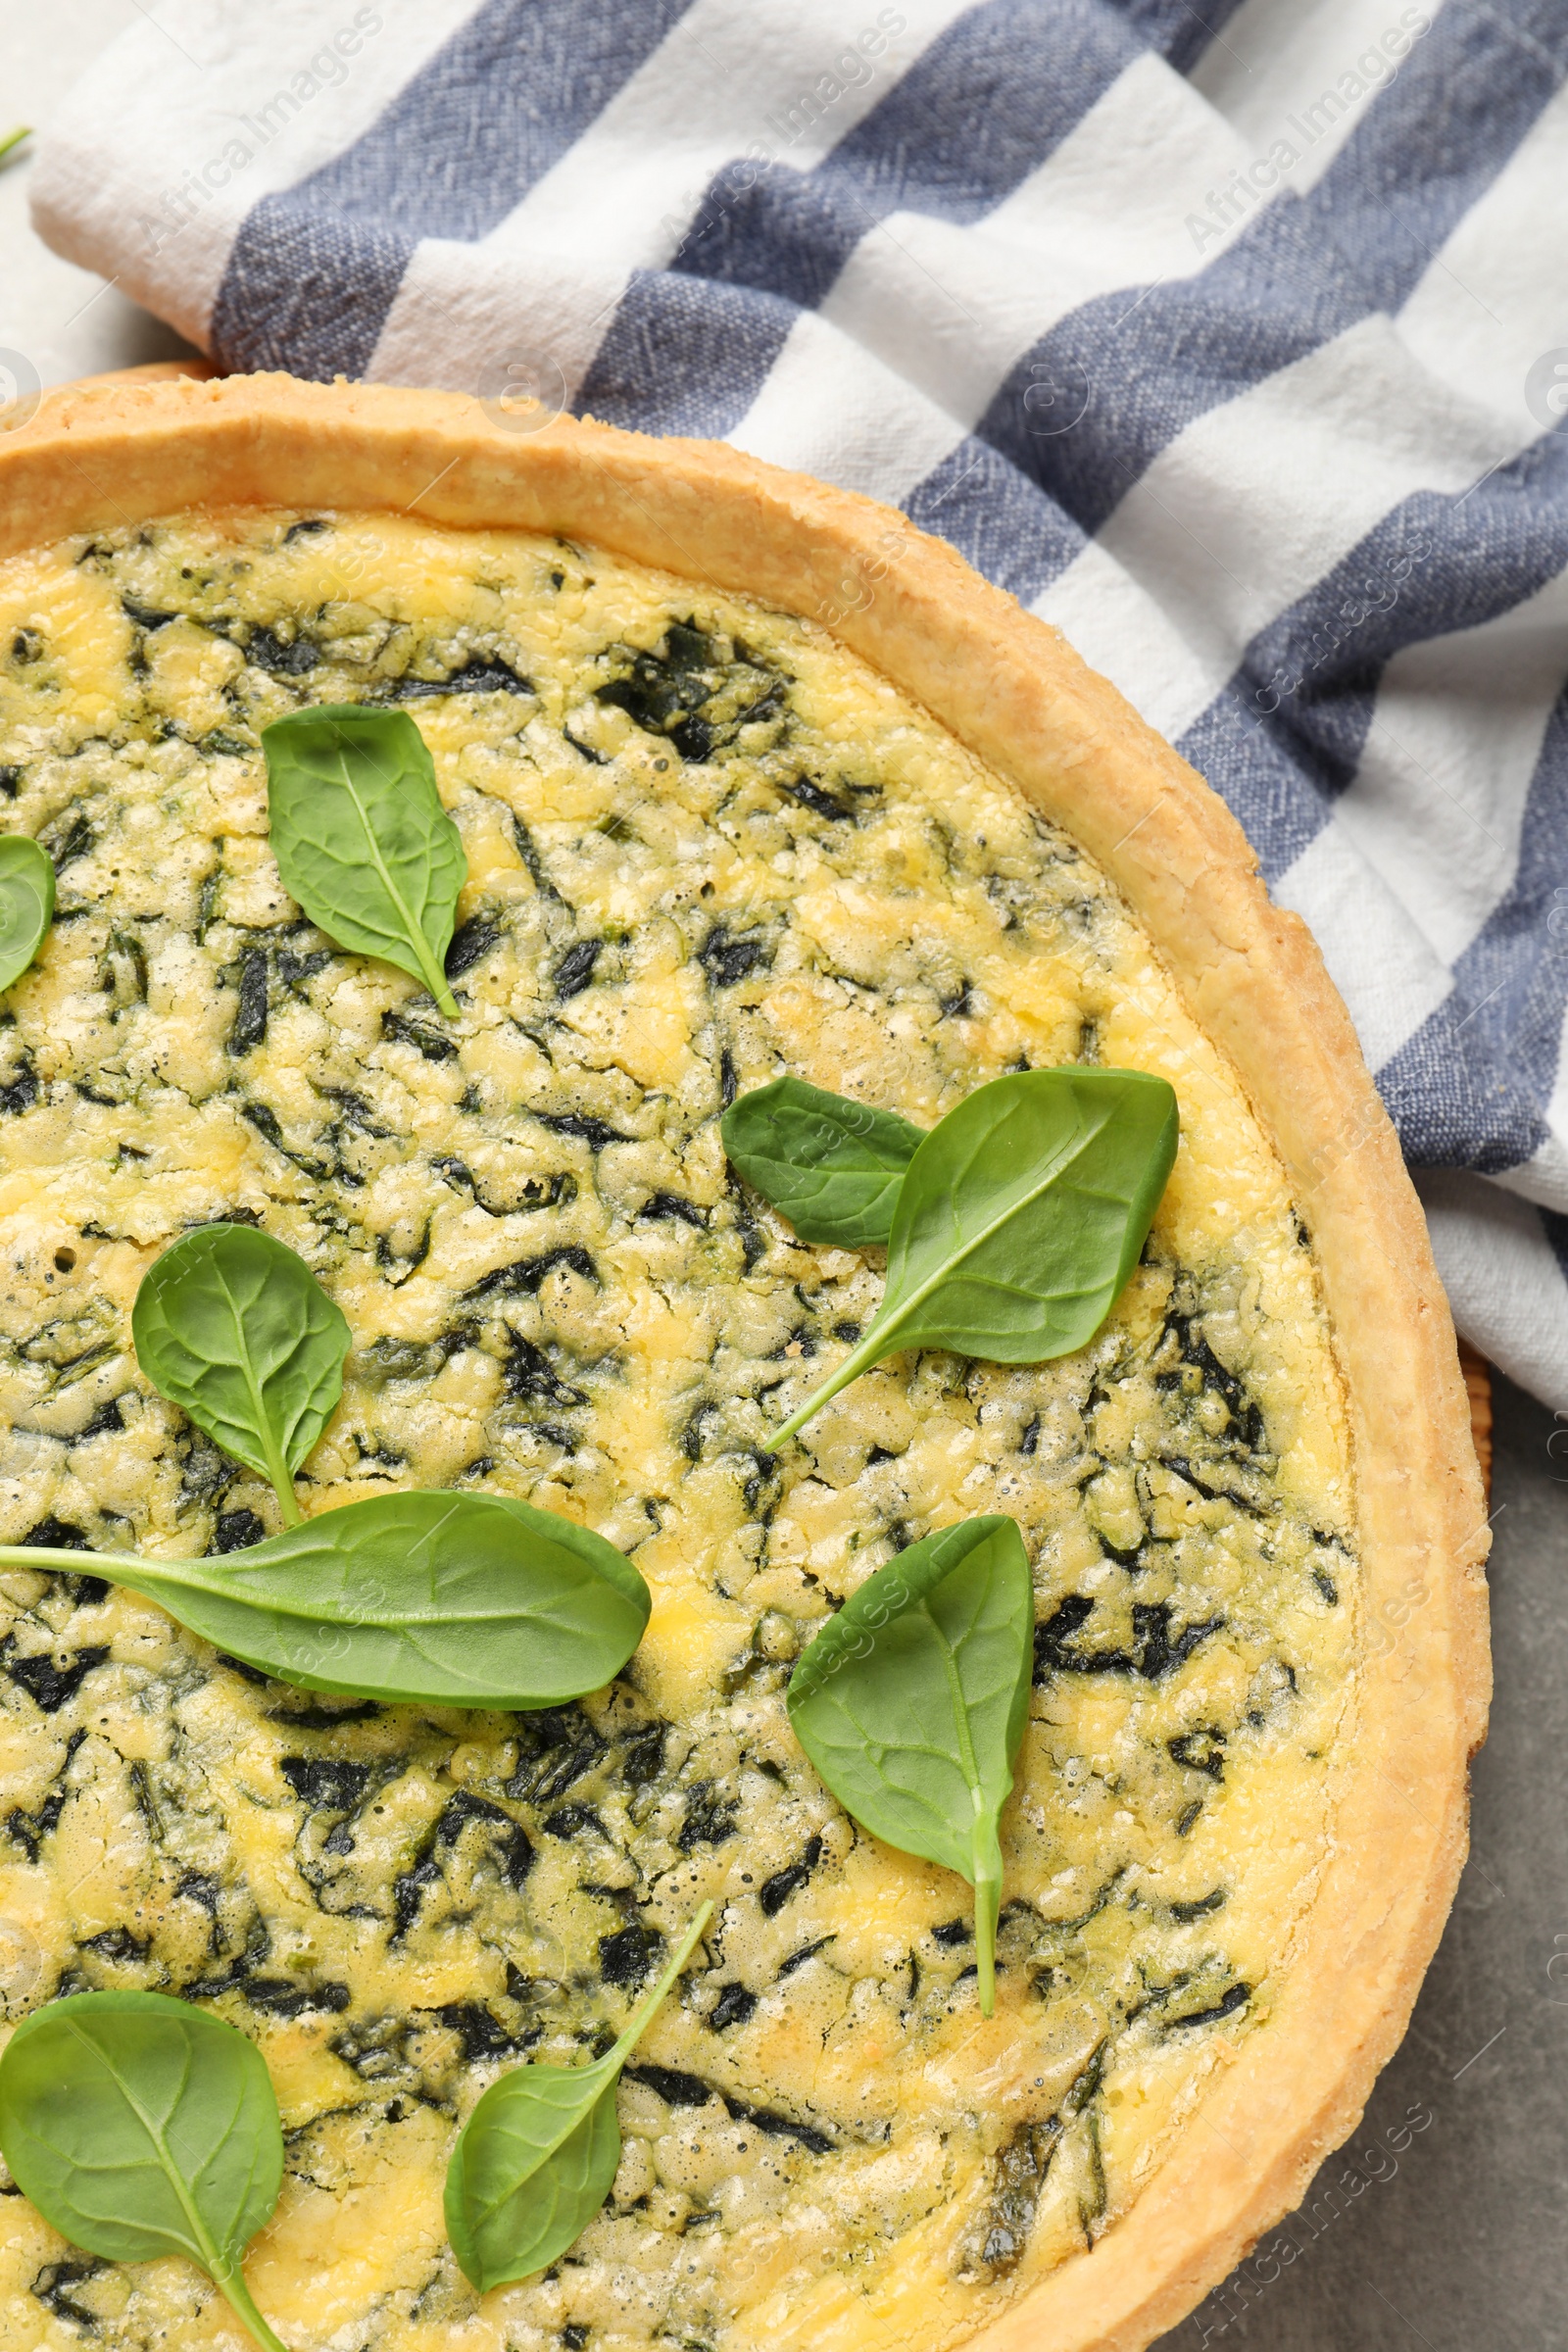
(1159,358)
(788,233)
(317,268)
(1468,1089)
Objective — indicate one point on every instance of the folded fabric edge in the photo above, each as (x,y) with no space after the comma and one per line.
(1505,1284)
(79,211)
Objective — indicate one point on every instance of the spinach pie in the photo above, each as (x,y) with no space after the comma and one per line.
(749,781)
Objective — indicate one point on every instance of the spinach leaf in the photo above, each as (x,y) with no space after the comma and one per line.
(911,1702)
(27,903)
(1019,1221)
(234,1328)
(832,1166)
(535,2158)
(457,1601)
(360,838)
(142,2127)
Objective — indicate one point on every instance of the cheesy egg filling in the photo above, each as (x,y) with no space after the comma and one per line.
(706,846)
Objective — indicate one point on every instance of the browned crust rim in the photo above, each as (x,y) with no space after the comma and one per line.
(1011,689)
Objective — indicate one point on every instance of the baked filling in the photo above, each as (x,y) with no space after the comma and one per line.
(705,844)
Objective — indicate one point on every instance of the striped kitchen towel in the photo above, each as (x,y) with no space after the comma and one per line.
(1233,339)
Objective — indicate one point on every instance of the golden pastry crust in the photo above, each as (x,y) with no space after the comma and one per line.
(1008,688)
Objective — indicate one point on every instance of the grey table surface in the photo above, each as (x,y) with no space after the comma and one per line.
(1443,2221)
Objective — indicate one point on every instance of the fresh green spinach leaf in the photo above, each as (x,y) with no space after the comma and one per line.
(1019,1221)
(360,838)
(142,2127)
(234,1328)
(27,903)
(457,1601)
(830,1166)
(535,2158)
(911,1702)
